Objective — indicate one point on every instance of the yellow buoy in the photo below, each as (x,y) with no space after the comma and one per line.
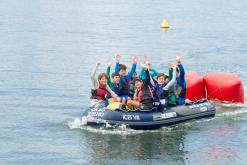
(164,23)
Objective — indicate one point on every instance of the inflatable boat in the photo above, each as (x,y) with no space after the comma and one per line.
(147,119)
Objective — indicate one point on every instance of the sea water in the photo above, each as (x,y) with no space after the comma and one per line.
(48,49)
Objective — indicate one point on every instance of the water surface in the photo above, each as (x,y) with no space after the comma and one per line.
(48,48)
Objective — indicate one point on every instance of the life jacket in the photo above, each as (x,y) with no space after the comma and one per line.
(132,88)
(159,93)
(117,89)
(125,86)
(144,94)
(183,91)
(168,95)
(99,93)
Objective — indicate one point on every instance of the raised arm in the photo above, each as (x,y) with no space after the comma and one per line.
(142,74)
(152,81)
(172,81)
(181,71)
(94,81)
(153,72)
(109,63)
(133,69)
(170,74)
(170,71)
(117,57)
(108,70)
(147,79)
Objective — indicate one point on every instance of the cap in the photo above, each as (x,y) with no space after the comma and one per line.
(138,79)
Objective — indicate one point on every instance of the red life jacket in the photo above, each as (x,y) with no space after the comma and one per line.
(144,93)
(139,95)
(101,92)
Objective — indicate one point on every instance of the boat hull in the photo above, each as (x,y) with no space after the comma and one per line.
(154,119)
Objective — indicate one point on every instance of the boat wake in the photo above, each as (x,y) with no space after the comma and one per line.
(80,124)
(75,124)
(230,105)
(232,110)
(232,113)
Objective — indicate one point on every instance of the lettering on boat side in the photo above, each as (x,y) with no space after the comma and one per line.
(131,117)
(202,109)
(199,105)
(168,115)
(157,117)
(96,113)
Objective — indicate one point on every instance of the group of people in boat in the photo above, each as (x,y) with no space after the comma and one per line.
(149,88)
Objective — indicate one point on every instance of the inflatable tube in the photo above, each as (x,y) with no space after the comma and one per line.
(195,89)
(225,87)
(151,119)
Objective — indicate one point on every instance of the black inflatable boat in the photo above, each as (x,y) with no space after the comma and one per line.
(148,119)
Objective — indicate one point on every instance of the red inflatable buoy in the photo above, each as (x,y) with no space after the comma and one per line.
(224,87)
(195,89)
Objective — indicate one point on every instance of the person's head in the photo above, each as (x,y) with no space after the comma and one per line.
(102,78)
(138,83)
(134,75)
(122,69)
(162,78)
(115,77)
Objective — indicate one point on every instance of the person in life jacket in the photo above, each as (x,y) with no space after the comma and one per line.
(153,73)
(114,84)
(132,85)
(181,83)
(124,79)
(143,97)
(162,90)
(100,89)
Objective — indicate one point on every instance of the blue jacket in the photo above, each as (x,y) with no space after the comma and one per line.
(124,80)
(158,92)
(181,82)
(181,79)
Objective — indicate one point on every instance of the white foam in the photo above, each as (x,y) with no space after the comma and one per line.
(204,120)
(231,105)
(121,130)
(232,113)
(75,124)
(80,123)
(84,120)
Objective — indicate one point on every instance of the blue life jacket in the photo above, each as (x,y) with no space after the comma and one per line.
(159,93)
(117,89)
(125,86)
